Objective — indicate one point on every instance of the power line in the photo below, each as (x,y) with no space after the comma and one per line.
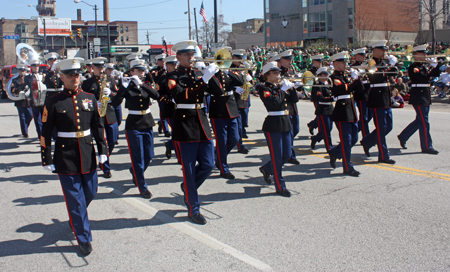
(142,5)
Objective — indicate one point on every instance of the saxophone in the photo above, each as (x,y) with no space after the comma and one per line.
(103,99)
(247,87)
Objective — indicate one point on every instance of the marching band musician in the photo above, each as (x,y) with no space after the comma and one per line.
(75,116)
(139,125)
(89,69)
(190,124)
(317,61)
(93,85)
(421,100)
(52,80)
(277,126)
(324,109)
(19,87)
(380,102)
(113,75)
(160,72)
(32,80)
(285,63)
(344,113)
(168,106)
(223,113)
(242,105)
(361,95)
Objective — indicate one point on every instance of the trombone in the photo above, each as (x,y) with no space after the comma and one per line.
(307,79)
(224,60)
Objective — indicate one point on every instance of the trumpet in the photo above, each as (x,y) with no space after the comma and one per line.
(371,68)
(224,60)
(307,79)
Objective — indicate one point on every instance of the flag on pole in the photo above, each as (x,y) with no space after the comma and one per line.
(203,14)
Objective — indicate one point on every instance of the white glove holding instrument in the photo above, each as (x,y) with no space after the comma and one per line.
(210,71)
(102,159)
(392,60)
(354,73)
(106,91)
(239,90)
(126,81)
(200,65)
(249,78)
(287,85)
(50,167)
(136,80)
(298,84)
(99,105)
(433,62)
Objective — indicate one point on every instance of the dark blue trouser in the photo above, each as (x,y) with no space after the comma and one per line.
(37,116)
(383,125)
(227,136)
(163,122)
(422,124)
(348,135)
(240,144)
(112,132)
(243,112)
(79,190)
(172,144)
(195,174)
(279,144)
(365,115)
(140,146)
(118,111)
(295,121)
(313,123)
(25,116)
(325,126)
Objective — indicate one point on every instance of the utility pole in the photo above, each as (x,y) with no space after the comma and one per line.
(148,37)
(45,37)
(215,23)
(109,44)
(189,18)
(196,29)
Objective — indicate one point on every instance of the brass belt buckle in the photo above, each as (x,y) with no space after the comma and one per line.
(143,112)
(80,134)
(198,106)
(286,112)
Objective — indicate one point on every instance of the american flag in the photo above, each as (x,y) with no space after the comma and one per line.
(203,14)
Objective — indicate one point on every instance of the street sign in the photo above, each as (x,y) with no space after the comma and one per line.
(155,51)
(96,48)
(97,41)
(91,28)
(90,47)
(12,37)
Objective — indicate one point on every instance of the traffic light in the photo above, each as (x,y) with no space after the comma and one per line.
(79,33)
(71,34)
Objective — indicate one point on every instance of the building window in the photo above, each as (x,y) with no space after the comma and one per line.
(126,29)
(330,20)
(317,22)
(121,29)
(121,39)
(305,23)
(304,3)
(350,18)
(127,38)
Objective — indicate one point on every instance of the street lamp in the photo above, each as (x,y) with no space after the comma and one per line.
(95,8)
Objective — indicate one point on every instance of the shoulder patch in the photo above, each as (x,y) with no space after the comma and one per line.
(172,84)
(337,82)
(44,115)
(266,94)
(319,93)
(157,86)
(416,70)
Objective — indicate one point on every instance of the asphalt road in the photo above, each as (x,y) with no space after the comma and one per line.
(391,218)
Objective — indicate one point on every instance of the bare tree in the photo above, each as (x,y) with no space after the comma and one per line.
(206,33)
(387,29)
(364,25)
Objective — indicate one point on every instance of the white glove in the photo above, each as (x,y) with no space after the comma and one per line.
(82,78)
(200,65)
(392,60)
(50,167)
(298,84)
(247,65)
(434,62)
(136,80)
(106,91)
(210,71)
(126,81)
(53,66)
(354,73)
(226,71)
(287,85)
(102,159)
(22,95)
(248,78)
(239,90)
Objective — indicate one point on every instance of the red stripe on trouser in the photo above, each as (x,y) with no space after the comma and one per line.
(132,164)
(68,211)
(186,191)
(343,149)
(325,133)
(425,133)
(361,118)
(217,146)
(275,172)
(380,147)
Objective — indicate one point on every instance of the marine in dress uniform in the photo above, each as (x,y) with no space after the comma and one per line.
(190,124)
(344,113)
(160,72)
(33,80)
(277,126)
(223,114)
(89,69)
(92,85)
(421,100)
(52,79)
(361,95)
(21,89)
(317,61)
(380,101)
(285,63)
(139,124)
(74,114)
(111,74)
(324,109)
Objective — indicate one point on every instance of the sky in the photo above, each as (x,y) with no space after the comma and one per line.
(158,17)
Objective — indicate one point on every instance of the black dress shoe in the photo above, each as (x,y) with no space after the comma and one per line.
(366,149)
(168,150)
(388,161)
(227,175)
(168,134)
(284,193)
(132,176)
(352,173)
(431,151)
(243,150)
(160,128)
(402,143)
(332,160)
(86,248)
(198,219)
(293,161)
(313,143)
(245,136)
(217,163)
(266,175)
(117,142)
(25,135)
(146,194)
(107,175)
(311,129)
(182,186)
